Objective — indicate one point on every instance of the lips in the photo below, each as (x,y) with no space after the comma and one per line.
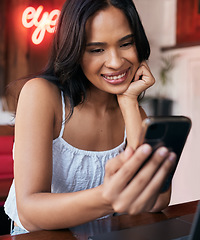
(116,78)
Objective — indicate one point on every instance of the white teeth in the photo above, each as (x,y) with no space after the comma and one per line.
(115,77)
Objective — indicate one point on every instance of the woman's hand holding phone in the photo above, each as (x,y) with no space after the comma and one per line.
(134,195)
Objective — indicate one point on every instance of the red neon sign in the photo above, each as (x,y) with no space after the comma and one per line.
(47,22)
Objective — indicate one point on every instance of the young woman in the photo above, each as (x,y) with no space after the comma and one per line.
(73,123)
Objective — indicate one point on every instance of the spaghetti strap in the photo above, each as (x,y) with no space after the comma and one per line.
(63,115)
(125,135)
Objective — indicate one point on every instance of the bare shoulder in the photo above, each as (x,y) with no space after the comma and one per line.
(39,102)
(40,87)
(39,91)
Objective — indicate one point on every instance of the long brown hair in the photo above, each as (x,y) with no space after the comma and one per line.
(63,68)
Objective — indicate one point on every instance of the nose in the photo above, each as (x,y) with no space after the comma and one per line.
(114,59)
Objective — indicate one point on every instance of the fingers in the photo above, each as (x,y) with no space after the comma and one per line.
(144,63)
(151,192)
(143,73)
(143,79)
(124,170)
(114,164)
(110,187)
(141,180)
(131,167)
(145,186)
(139,193)
(145,175)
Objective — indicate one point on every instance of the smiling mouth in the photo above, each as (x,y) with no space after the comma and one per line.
(116,78)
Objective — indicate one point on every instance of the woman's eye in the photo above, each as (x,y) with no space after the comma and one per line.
(96,50)
(127,44)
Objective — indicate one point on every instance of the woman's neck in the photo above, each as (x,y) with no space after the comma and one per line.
(100,100)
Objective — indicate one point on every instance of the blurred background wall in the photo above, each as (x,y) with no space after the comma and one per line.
(173,29)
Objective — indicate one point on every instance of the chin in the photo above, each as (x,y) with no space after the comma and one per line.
(121,89)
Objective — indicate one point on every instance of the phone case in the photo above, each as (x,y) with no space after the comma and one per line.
(171,132)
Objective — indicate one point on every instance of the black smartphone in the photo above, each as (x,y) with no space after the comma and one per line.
(171,132)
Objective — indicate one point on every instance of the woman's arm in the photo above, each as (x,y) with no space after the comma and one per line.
(35,128)
(128,102)
(133,116)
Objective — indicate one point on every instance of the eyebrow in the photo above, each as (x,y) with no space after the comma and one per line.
(103,43)
(126,37)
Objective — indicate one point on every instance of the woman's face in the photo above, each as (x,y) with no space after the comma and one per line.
(110,58)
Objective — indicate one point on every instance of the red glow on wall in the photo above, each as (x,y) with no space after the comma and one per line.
(43,22)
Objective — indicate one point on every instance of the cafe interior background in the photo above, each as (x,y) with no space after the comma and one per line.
(173,30)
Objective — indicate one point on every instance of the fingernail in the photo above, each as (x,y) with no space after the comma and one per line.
(163,151)
(146,149)
(172,156)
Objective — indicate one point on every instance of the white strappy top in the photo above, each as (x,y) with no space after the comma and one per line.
(73,169)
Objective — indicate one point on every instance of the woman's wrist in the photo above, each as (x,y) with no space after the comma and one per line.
(128,106)
(131,112)
(126,99)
